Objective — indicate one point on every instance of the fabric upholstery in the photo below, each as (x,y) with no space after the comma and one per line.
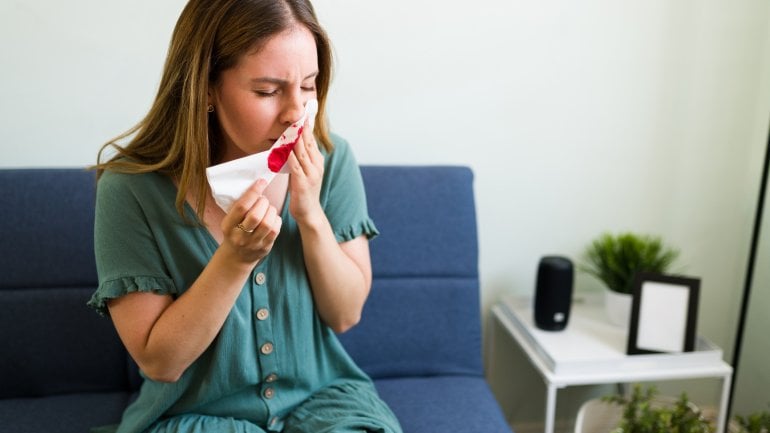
(424,303)
(47,228)
(51,343)
(441,404)
(426,217)
(394,338)
(70,413)
(63,368)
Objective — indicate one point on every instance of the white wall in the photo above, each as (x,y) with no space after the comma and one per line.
(753,376)
(577,117)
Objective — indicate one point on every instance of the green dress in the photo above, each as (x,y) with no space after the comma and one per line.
(275,366)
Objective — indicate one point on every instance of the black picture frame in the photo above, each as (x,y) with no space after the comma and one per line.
(664,314)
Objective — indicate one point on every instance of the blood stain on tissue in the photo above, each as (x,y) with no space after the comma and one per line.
(280,154)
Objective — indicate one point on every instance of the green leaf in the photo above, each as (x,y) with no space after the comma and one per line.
(642,414)
(615,259)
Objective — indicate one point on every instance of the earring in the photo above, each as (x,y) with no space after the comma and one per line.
(210,108)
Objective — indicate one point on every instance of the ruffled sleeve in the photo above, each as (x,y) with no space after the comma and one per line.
(118,287)
(366,228)
(343,196)
(128,258)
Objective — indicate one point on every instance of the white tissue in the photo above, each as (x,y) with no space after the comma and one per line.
(228,181)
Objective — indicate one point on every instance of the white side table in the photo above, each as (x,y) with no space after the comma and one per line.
(590,351)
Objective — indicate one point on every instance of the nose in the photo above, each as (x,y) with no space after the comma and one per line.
(293,108)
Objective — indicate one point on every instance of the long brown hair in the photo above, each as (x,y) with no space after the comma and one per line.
(177,137)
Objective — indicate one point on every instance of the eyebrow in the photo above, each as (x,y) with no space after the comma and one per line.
(279,81)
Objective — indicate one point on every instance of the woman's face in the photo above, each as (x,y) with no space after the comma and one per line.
(265,92)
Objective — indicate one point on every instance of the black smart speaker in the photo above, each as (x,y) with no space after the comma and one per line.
(553,293)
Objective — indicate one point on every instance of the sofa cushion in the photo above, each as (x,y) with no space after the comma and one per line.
(442,404)
(422,319)
(53,343)
(73,413)
(423,315)
(418,327)
(427,220)
(47,229)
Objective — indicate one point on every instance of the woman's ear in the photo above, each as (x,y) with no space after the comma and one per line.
(212,94)
(210,103)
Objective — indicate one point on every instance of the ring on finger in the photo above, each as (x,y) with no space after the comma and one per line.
(240,227)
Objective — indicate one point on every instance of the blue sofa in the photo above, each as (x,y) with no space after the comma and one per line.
(63,368)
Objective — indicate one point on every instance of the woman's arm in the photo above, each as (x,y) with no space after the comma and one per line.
(165,336)
(340,274)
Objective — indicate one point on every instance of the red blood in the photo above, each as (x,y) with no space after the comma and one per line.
(280,154)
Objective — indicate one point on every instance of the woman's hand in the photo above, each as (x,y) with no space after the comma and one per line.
(340,274)
(306,164)
(251,226)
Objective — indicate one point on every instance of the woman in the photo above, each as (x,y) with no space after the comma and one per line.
(232,316)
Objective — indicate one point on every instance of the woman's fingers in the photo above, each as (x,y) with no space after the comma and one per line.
(300,154)
(306,160)
(306,150)
(265,225)
(252,225)
(271,227)
(311,150)
(254,216)
(241,206)
(295,166)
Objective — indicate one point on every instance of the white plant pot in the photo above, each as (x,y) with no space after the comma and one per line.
(618,308)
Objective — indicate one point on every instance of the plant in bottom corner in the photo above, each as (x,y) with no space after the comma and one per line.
(614,259)
(642,413)
(758,422)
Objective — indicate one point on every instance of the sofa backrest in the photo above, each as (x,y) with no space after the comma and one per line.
(51,342)
(422,317)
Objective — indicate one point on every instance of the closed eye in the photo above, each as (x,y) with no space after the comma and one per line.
(266,93)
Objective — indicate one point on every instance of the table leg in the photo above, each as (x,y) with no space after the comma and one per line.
(550,408)
(491,334)
(722,417)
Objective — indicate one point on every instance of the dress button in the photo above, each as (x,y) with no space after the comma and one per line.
(272,377)
(268,393)
(260,278)
(266,348)
(263,314)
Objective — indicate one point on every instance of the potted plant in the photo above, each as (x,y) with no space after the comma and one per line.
(758,422)
(615,259)
(644,412)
